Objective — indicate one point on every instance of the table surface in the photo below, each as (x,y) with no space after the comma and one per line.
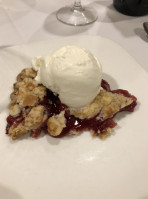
(25,21)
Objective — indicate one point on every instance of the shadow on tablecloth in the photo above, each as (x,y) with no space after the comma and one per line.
(52,25)
(127,25)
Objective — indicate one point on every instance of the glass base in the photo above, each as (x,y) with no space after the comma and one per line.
(77,17)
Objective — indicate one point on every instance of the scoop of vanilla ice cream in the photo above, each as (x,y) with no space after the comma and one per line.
(71,72)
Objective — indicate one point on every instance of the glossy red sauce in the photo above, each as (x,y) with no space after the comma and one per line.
(53,106)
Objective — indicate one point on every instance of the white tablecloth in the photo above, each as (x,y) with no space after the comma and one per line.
(25,21)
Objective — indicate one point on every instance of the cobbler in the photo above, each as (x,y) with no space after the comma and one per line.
(34,109)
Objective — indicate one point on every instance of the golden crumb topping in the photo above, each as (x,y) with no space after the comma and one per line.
(56,123)
(26,92)
(106,104)
(31,122)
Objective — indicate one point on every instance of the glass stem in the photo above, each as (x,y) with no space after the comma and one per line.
(77,5)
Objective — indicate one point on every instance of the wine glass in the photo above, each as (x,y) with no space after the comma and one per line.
(77,15)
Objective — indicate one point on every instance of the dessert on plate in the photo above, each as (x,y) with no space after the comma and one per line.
(64,94)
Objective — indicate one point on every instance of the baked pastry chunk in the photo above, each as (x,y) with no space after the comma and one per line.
(34,108)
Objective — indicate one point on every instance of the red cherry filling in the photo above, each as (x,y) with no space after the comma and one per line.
(78,125)
(13,121)
(105,85)
(53,106)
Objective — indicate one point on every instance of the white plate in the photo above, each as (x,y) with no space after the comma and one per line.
(78,166)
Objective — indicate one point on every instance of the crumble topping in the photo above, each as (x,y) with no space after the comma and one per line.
(27,72)
(105,103)
(26,92)
(31,122)
(56,123)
